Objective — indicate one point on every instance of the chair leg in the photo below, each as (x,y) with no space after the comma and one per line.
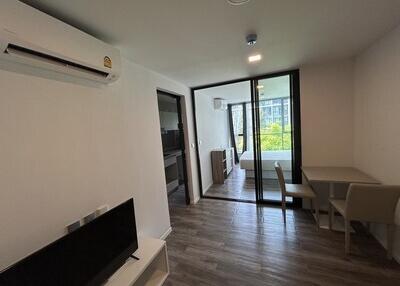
(316,204)
(347,236)
(330,216)
(390,234)
(284,209)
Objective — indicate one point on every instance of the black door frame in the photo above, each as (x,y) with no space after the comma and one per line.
(181,139)
(296,132)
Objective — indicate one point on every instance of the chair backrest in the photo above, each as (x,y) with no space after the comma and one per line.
(281,178)
(372,203)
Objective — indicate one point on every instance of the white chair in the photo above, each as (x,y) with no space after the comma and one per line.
(295,191)
(368,203)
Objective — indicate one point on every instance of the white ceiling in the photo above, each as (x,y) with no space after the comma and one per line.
(203,41)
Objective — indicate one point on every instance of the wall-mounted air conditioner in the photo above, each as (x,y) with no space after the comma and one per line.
(31,37)
(220,104)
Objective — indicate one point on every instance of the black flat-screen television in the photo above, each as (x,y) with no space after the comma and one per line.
(87,256)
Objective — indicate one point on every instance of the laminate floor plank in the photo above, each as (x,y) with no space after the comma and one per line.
(230,243)
(237,186)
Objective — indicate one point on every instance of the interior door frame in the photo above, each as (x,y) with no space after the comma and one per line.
(296,133)
(181,139)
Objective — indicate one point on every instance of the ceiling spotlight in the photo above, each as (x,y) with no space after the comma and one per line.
(255,58)
(238,2)
(251,39)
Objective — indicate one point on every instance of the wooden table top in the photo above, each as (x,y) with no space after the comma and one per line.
(337,175)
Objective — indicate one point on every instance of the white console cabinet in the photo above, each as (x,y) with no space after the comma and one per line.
(152,269)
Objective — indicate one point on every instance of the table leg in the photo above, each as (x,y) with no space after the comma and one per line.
(338,222)
(324,219)
(331,190)
(331,196)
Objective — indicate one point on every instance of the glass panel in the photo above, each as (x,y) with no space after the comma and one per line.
(275,133)
(249,127)
(223,116)
(237,118)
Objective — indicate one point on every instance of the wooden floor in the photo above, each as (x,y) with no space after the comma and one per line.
(230,243)
(238,187)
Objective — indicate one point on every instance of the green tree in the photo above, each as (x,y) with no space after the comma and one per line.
(273,138)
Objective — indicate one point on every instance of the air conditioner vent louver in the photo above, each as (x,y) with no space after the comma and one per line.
(19,51)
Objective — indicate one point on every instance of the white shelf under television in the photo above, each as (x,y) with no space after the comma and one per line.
(152,269)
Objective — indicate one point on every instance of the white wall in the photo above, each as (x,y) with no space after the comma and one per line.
(327,118)
(190,146)
(213,132)
(327,114)
(68,147)
(377,117)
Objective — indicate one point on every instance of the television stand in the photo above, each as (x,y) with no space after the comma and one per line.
(152,269)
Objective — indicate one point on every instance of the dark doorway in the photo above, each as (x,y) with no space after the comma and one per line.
(173,143)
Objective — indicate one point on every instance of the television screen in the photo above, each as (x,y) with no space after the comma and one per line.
(87,256)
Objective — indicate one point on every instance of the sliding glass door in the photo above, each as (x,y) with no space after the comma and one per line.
(255,123)
(276,112)
(223,114)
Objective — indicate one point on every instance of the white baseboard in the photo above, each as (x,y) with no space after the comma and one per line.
(195,201)
(206,188)
(165,235)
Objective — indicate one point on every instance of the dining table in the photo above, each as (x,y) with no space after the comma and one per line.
(333,176)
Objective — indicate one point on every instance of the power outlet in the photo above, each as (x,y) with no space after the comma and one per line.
(101,210)
(73,226)
(89,217)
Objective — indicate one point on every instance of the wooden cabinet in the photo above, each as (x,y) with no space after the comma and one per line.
(219,166)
